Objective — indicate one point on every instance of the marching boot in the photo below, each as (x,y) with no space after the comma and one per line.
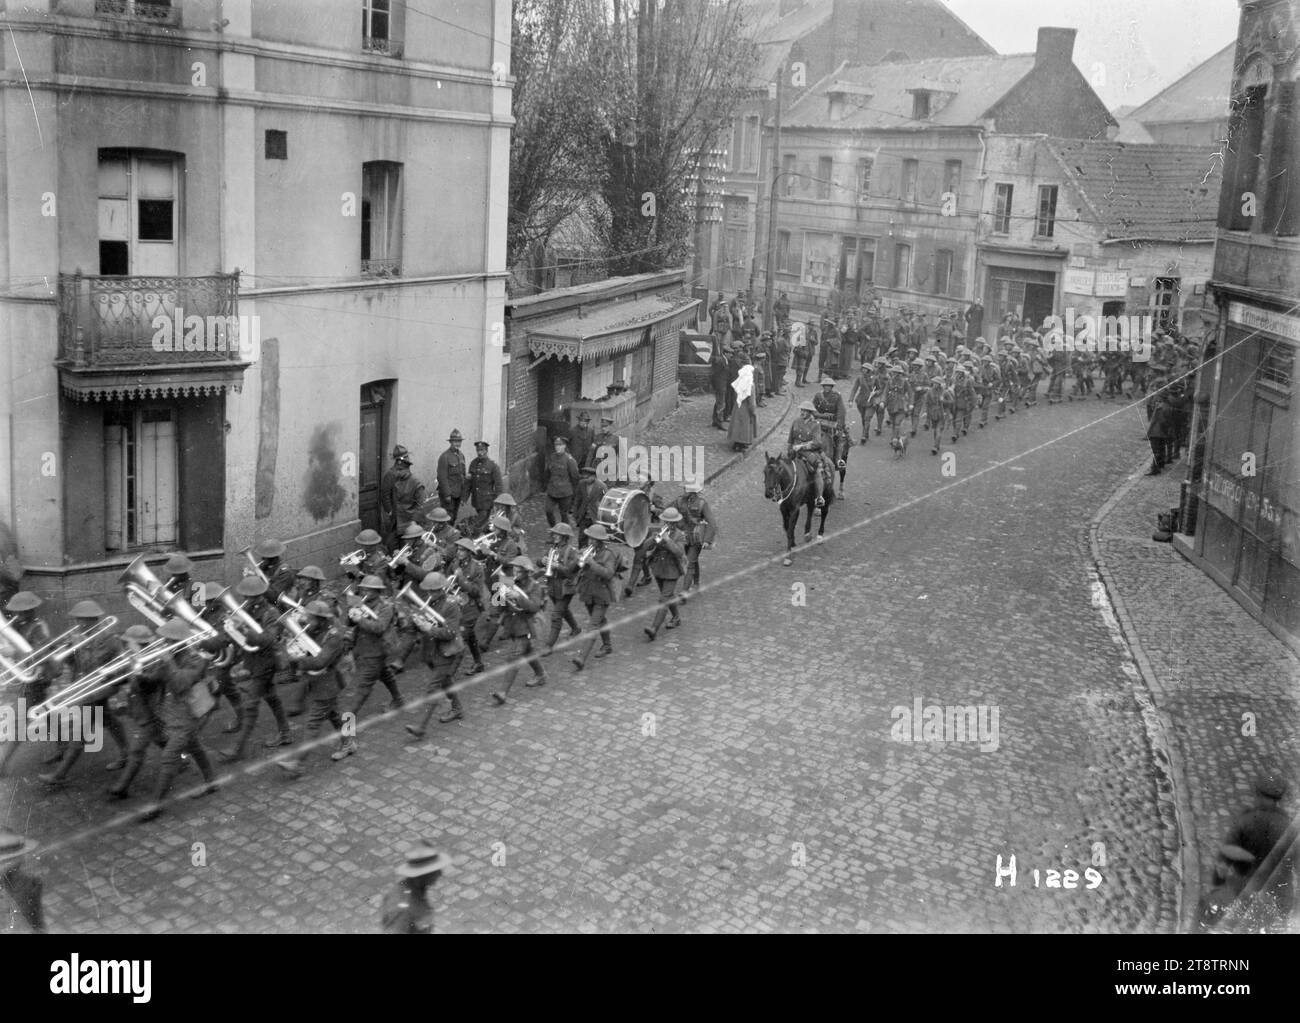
(55,779)
(346,748)
(283,738)
(123,786)
(418,731)
(819,488)
(455,712)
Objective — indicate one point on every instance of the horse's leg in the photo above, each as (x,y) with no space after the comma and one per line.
(789,518)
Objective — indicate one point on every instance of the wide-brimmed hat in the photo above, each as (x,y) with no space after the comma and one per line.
(368,538)
(596,532)
(86,609)
(455,435)
(178,564)
(423,859)
(670,515)
(250,586)
(23,600)
(269,549)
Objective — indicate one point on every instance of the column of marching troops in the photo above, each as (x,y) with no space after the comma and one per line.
(290,636)
(924,377)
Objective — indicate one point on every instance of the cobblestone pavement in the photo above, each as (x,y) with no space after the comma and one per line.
(1228,687)
(738,774)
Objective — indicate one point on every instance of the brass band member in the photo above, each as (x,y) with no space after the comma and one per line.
(21,610)
(560,572)
(85,659)
(374,559)
(279,576)
(504,550)
(471,579)
(257,668)
(667,557)
(324,684)
(307,583)
(373,618)
(521,597)
(223,647)
(701,531)
(143,699)
(177,570)
(443,650)
(598,565)
(186,705)
(444,533)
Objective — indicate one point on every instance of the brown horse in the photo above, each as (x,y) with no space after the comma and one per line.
(786,481)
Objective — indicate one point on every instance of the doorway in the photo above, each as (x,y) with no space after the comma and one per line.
(376,401)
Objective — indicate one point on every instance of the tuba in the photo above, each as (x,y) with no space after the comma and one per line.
(257,568)
(152,599)
(425,617)
(238,624)
(300,644)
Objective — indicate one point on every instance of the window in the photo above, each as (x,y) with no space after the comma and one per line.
(1242,158)
(902,266)
(864,178)
(277,144)
(1002,209)
(787,173)
(377,28)
(942,271)
(138,214)
(1284,167)
(920,104)
(825,168)
(911,168)
(159,12)
(381,219)
(783,252)
(140,478)
(1045,224)
(749,144)
(1165,302)
(952,177)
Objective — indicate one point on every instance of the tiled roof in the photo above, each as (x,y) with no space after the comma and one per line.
(1151,192)
(978,84)
(797,24)
(1200,95)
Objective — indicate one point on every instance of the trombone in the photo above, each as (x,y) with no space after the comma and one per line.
(112,673)
(425,616)
(21,668)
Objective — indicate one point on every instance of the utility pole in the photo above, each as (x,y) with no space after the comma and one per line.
(771,212)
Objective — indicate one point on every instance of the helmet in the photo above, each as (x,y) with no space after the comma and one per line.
(501,522)
(435,581)
(596,532)
(411,530)
(368,538)
(523,561)
(372,582)
(269,549)
(505,499)
(178,564)
(807,406)
(670,515)
(250,586)
(87,609)
(563,528)
(439,515)
(319,609)
(311,572)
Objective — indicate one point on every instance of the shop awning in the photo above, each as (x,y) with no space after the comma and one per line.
(609,329)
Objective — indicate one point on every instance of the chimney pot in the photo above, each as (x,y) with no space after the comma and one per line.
(1055,46)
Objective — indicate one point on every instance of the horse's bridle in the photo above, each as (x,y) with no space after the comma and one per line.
(794,478)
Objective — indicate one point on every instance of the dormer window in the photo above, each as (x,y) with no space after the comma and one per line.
(920,104)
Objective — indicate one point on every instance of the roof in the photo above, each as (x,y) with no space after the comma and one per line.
(978,84)
(797,24)
(1202,94)
(608,329)
(1131,131)
(1147,192)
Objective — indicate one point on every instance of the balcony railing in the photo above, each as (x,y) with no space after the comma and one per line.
(381,267)
(114,322)
(153,12)
(388,47)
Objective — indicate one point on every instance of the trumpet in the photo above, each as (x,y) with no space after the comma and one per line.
(660,536)
(257,568)
(300,644)
(405,552)
(550,561)
(111,674)
(425,617)
(238,624)
(486,542)
(354,559)
(356,601)
(586,554)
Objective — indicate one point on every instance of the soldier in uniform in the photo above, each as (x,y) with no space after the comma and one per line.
(324,684)
(213,612)
(560,572)
(990,378)
(21,609)
(504,550)
(452,473)
(805,441)
(373,618)
(587,498)
(485,483)
(177,677)
(898,394)
(26,890)
(419,551)
(701,531)
(920,385)
(409,496)
(471,580)
(443,649)
(11,566)
(560,482)
(143,698)
(860,395)
(387,519)
(582,439)
(177,570)
(406,909)
(86,615)
(279,576)
(596,584)
(258,668)
(963,394)
(507,507)
(521,597)
(667,558)
(374,559)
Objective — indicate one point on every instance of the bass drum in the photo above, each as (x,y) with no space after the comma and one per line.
(625,511)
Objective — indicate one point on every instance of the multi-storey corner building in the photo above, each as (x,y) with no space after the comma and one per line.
(1242,497)
(247,247)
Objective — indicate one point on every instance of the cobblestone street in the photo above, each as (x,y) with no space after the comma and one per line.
(738,773)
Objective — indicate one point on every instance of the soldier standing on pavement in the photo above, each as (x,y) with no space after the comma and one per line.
(409,495)
(452,475)
(718,381)
(521,597)
(443,648)
(26,890)
(387,520)
(560,572)
(667,557)
(582,439)
(586,500)
(406,909)
(485,483)
(561,481)
(324,685)
(597,567)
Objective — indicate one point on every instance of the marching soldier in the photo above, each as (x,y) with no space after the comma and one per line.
(486,482)
(387,511)
(701,531)
(521,597)
(21,609)
(991,386)
(597,567)
(939,409)
(560,482)
(177,570)
(560,572)
(920,384)
(373,618)
(24,889)
(324,684)
(279,576)
(586,501)
(471,580)
(504,550)
(443,649)
(508,508)
(142,700)
(85,659)
(406,909)
(806,441)
(860,395)
(374,559)
(963,394)
(213,612)
(897,404)
(452,473)
(668,565)
(185,704)
(412,537)
(258,667)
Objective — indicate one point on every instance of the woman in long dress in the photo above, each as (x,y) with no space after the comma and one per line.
(744,421)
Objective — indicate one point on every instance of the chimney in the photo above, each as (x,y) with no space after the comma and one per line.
(1055,46)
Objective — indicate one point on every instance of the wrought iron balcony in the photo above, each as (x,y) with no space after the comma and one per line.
(153,12)
(120,322)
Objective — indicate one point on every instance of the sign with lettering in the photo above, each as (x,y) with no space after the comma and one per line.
(1112,285)
(1079,282)
(1287,327)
